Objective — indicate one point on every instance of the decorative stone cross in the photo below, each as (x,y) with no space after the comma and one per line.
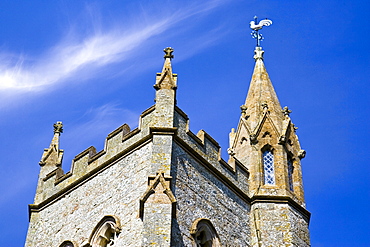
(258,53)
(168,52)
(58,127)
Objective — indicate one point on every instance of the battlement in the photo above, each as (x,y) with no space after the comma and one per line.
(204,147)
(123,141)
(89,162)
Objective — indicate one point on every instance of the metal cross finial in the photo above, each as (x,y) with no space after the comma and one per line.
(168,52)
(255,26)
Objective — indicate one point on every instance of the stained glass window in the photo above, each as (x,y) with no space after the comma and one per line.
(268,167)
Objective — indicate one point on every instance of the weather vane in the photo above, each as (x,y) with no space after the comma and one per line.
(255,26)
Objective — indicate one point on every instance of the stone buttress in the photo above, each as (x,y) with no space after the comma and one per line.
(157,204)
(266,143)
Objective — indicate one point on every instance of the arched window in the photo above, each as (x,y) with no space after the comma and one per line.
(204,234)
(290,173)
(105,233)
(268,167)
(67,244)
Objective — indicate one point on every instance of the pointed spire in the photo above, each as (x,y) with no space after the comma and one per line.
(166,79)
(266,128)
(261,95)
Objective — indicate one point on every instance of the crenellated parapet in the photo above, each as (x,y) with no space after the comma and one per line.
(208,151)
(160,128)
(89,162)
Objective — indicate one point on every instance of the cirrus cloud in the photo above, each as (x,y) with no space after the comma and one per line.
(105,45)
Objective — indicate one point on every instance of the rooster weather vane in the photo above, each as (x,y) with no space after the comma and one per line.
(255,26)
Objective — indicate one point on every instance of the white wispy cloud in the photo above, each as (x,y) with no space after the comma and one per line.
(103,46)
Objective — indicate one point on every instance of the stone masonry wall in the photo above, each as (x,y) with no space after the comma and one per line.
(278,224)
(200,194)
(114,191)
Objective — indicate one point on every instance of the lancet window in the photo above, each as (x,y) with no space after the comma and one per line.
(290,173)
(268,167)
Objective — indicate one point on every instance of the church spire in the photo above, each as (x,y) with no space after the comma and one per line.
(265,140)
(261,95)
(266,143)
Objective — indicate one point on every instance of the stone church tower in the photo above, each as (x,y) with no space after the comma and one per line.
(162,185)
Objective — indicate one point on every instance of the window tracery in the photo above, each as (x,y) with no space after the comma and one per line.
(268,167)
(105,233)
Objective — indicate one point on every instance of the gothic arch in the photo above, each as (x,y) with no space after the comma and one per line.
(105,232)
(267,147)
(204,234)
(68,243)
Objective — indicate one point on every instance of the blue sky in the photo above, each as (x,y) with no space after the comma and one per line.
(92,64)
